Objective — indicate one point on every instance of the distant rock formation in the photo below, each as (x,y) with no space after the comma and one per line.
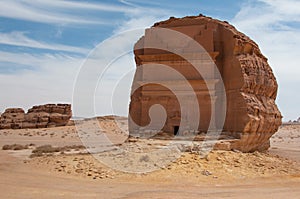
(252,116)
(43,116)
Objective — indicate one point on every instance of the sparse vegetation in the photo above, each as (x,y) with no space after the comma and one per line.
(14,147)
(37,154)
(48,149)
(144,158)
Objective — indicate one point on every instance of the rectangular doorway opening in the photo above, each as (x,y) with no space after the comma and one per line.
(176,129)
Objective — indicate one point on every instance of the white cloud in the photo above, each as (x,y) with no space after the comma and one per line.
(271,24)
(38,61)
(265,13)
(138,23)
(20,39)
(80,5)
(51,80)
(285,8)
(142,17)
(127,3)
(53,11)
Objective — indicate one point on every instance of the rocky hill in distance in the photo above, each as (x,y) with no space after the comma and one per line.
(42,116)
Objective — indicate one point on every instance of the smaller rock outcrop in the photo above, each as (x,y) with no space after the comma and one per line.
(43,116)
(12,118)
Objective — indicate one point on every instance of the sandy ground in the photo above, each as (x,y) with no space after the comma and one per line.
(286,142)
(75,173)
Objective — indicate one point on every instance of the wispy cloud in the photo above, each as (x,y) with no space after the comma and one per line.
(80,5)
(285,8)
(20,39)
(265,13)
(127,3)
(39,61)
(53,12)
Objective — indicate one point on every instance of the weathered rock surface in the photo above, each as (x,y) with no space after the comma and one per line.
(49,115)
(252,116)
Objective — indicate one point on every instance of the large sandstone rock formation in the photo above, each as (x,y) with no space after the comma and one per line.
(49,115)
(252,116)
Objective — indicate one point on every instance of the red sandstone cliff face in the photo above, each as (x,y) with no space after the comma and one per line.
(43,116)
(251,88)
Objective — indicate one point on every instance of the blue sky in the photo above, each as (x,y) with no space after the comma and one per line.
(43,43)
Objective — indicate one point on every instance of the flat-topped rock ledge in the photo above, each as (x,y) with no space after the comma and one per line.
(42,116)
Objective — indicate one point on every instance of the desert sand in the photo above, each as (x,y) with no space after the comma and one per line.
(69,171)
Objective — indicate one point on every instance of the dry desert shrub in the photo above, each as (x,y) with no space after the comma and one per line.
(48,149)
(37,154)
(14,147)
(75,147)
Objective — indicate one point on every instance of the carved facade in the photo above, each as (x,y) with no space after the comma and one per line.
(250,87)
